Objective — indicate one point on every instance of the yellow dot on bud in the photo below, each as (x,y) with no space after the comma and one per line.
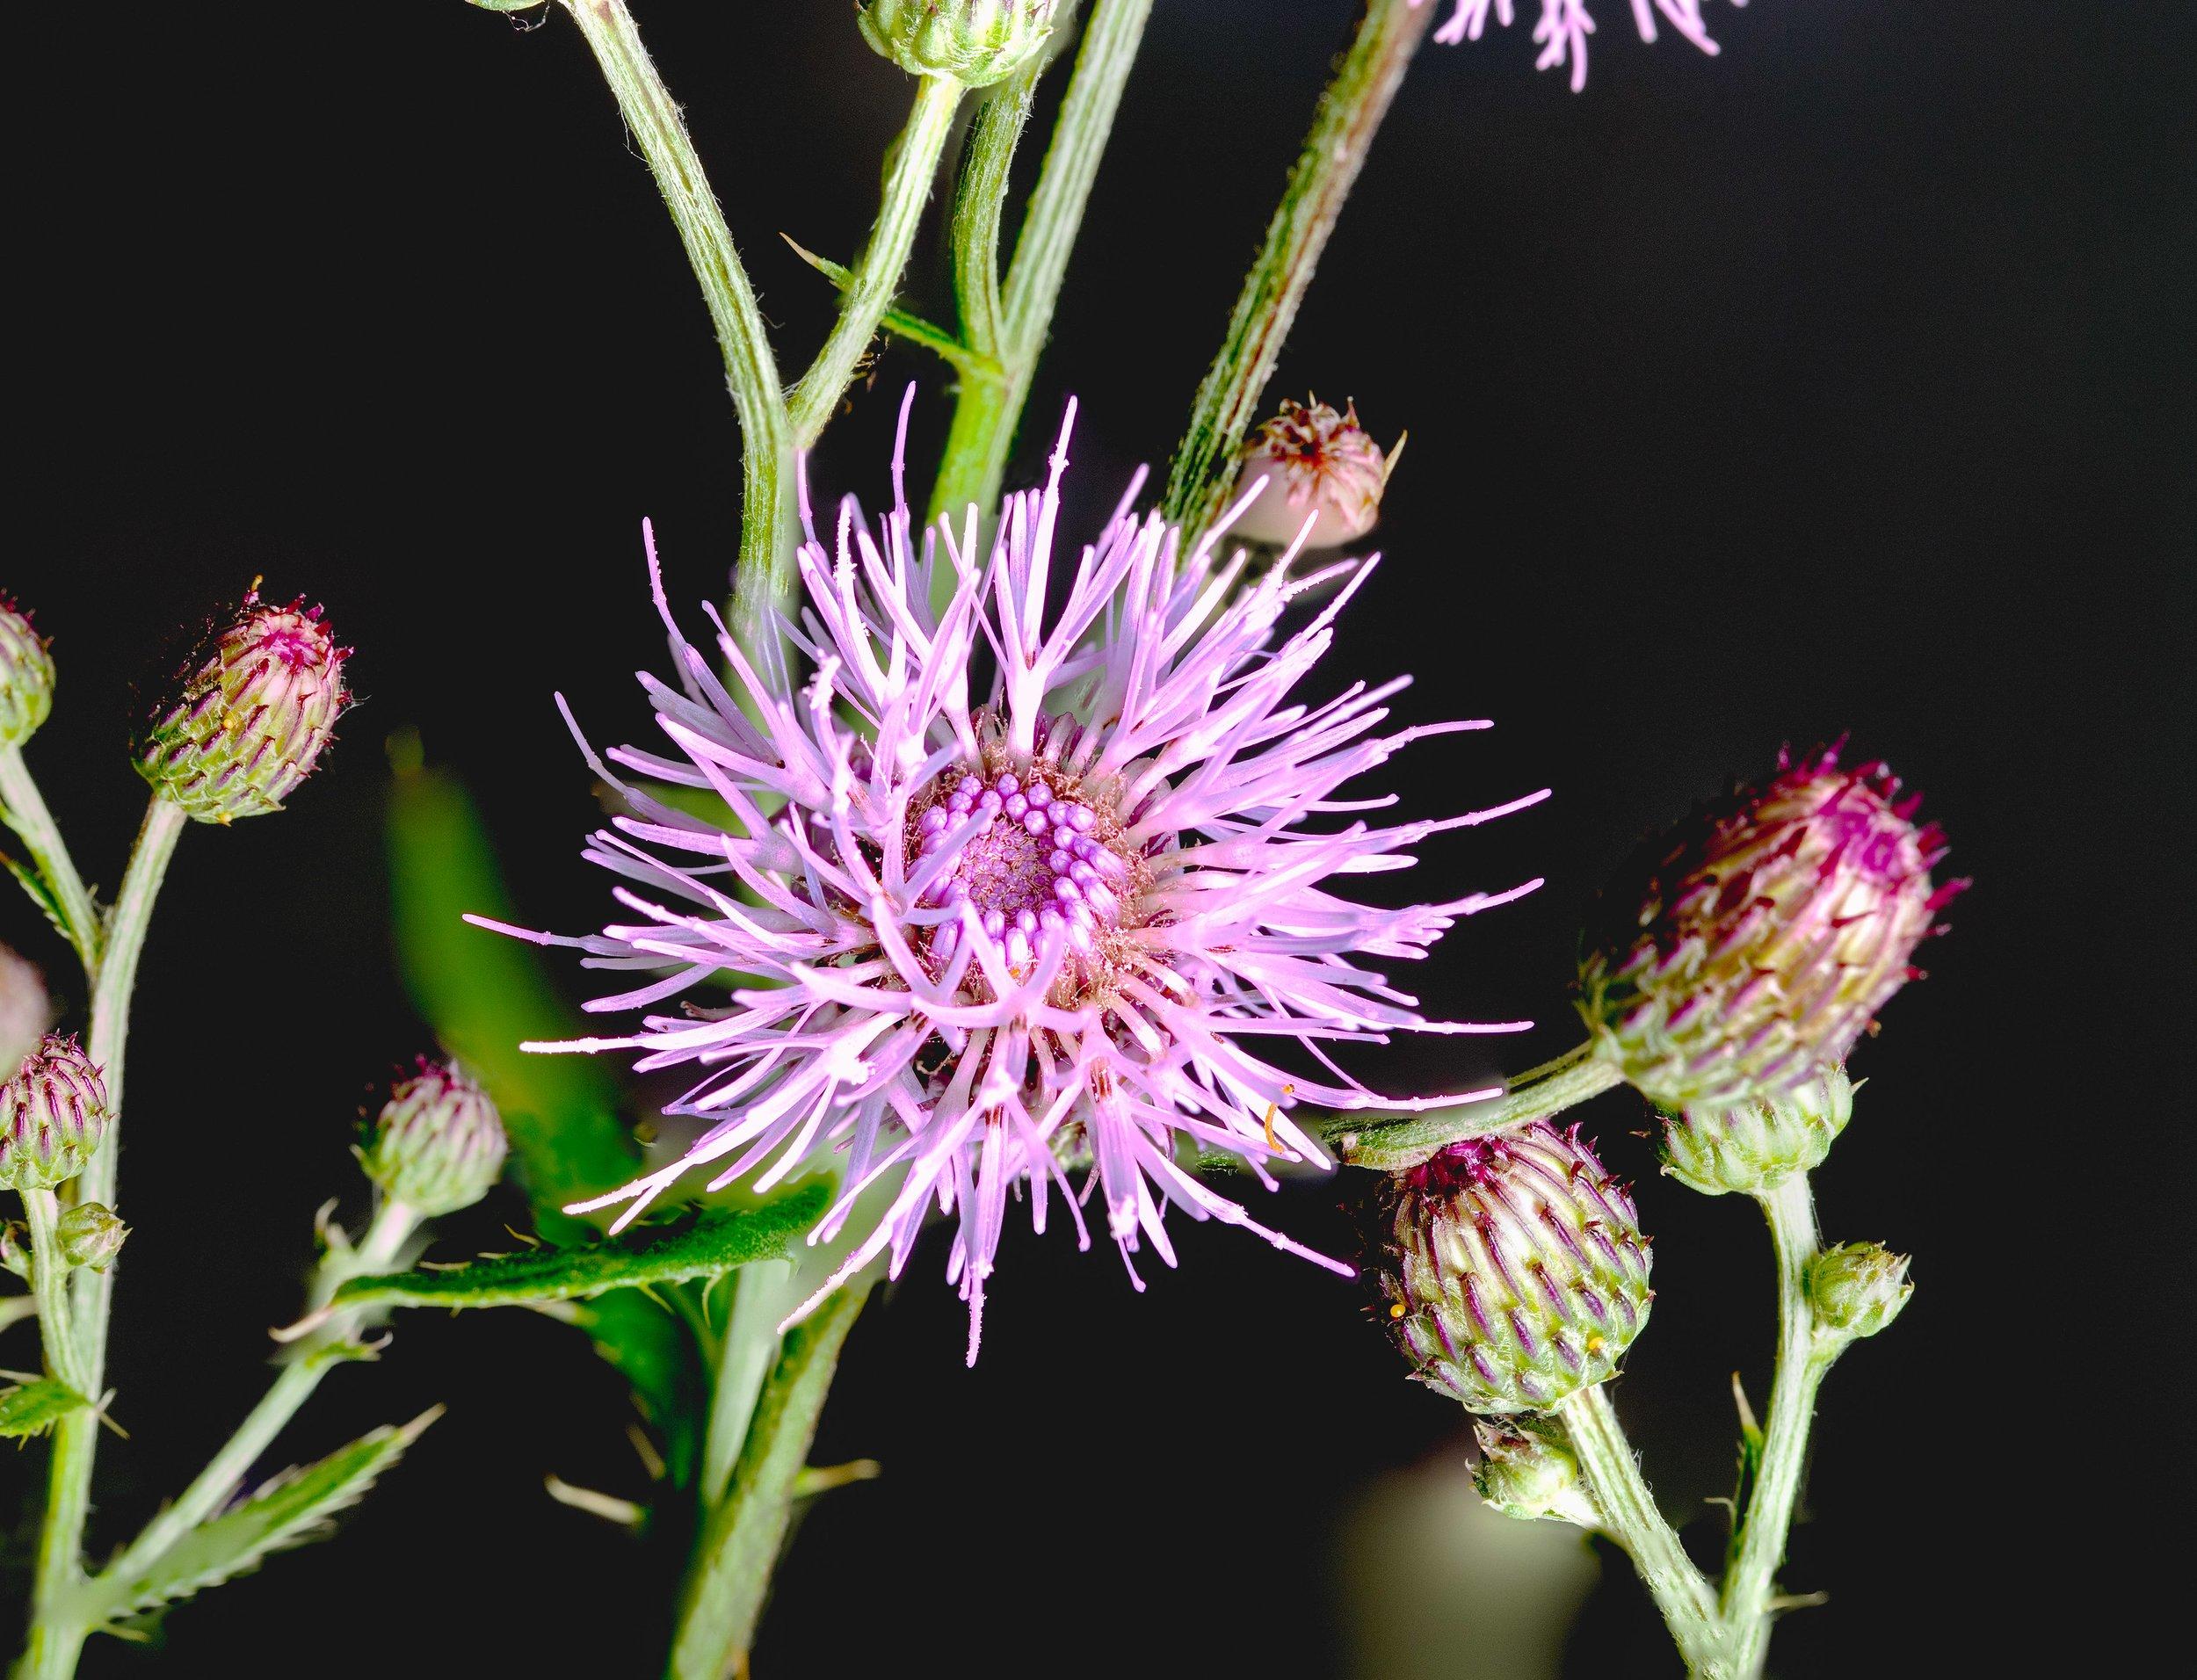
(1395,1309)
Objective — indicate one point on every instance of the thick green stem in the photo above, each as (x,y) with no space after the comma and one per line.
(986,411)
(873,280)
(1803,1356)
(24,809)
(740,1537)
(49,1284)
(764,580)
(1349,115)
(1629,1512)
(1391,1146)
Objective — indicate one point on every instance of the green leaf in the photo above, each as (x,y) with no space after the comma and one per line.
(913,328)
(42,895)
(289,1510)
(32,1407)
(718,1241)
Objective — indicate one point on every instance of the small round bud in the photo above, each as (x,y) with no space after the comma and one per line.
(1518,1273)
(976,42)
(15,1247)
(1528,1470)
(1756,943)
(1744,1147)
(25,1011)
(53,1115)
(1857,1288)
(438,1144)
(1319,466)
(90,1236)
(26,677)
(250,717)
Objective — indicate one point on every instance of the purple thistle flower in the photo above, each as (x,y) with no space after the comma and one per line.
(1562,34)
(1012,928)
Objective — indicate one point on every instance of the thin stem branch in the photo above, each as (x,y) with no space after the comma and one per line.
(742,1535)
(49,1282)
(1391,1146)
(764,580)
(876,277)
(1803,1357)
(1630,1512)
(987,411)
(24,809)
(1350,114)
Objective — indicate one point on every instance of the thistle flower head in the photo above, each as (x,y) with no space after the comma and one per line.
(976,42)
(1032,882)
(249,717)
(1754,945)
(1561,31)
(437,1145)
(1857,1288)
(26,676)
(53,1115)
(1317,465)
(1517,1271)
(1745,1148)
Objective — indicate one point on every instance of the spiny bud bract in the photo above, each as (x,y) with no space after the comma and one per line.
(250,717)
(976,42)
(26,676)
(53,1115)
(1528,1470)
(90,1236)
(1517,1271)
(438,1144)
(1857,1288)
(1319,465)
(1745,1148)
(25,1011)
(1757,942)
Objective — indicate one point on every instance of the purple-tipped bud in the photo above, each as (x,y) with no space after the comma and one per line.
(53,1115)
(90,1236)
(1745,1148)
(25,1011)
(26,676)
(1518,1273)
(437,1145)
(250,716)
(1751,946)
(1528,1470)
(1318,465)
(1857,1288)
(976,42)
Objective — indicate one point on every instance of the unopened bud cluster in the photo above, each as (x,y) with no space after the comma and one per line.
(438,1144)
(1748,1146)
(26,677)
(1761,938)
(250,715)
(1517,1270)
(976,42)
(53,1117)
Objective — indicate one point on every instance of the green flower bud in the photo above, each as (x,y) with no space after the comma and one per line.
(250,717)
(1857,1288)
(1744,1147)
(25,1011)
(15,1247)
(1319,465)
(438,1144)
(26,676)
(1528,1470)
(90,1236)
(1757,943)
(1516,1273)
(976,42)
(53,1115)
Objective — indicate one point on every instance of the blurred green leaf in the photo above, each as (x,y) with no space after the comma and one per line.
(717,1242)
(32,1407)
(287,1511)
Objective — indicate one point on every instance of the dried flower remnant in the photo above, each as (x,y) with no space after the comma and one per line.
(1324,476)
(1012,930)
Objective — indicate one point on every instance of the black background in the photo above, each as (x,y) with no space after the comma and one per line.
(1838,383)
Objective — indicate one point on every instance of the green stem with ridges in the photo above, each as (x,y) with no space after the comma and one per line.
(876,277)
(1350,114)
(764,580)
(1391,1146)
(49,1285)
(24,809)
(986,411)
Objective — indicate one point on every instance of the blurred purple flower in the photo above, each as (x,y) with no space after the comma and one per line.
(1012,929)
(1565,25)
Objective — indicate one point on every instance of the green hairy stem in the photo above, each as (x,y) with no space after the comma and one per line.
(24,809)
(1349,115)
(1391,1146)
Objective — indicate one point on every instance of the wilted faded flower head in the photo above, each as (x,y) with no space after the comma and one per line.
(1009,927)
(1754,944)
(1564,26)
(249,717)
(1318,465)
